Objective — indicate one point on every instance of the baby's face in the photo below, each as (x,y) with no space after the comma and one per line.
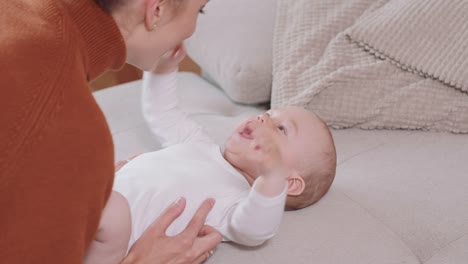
(292,130)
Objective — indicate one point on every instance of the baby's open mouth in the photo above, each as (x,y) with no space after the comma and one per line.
(246,132)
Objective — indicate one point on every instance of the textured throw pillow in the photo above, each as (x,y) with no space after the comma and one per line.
(233,46)
(374,63)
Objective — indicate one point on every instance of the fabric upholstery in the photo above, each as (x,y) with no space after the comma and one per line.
(398,196)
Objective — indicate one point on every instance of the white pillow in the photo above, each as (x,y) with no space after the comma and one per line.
(233,46)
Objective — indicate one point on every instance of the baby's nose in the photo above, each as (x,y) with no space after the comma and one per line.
(263,118)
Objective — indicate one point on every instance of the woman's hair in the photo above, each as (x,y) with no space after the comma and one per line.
(108,5)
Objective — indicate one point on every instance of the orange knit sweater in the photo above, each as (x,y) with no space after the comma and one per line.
(56,150)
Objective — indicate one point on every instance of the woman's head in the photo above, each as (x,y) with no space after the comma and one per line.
(152,27)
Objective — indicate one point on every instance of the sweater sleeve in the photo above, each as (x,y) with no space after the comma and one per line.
(56,165)
(256,218)
(160,108)
(56,150)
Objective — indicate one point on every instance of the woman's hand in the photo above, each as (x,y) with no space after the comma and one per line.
(169,62)
(194,245)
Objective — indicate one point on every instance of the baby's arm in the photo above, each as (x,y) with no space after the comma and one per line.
(161,111)
(160,105)
(256,218)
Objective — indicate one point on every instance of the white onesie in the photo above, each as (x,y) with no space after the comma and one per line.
(191,165)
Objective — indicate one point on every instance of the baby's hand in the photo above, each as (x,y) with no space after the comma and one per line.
(266,153)
(272,172)
(121,163)
(169,62)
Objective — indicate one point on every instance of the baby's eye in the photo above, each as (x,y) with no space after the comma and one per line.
(282,129)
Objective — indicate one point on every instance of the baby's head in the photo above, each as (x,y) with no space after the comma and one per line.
(305,144)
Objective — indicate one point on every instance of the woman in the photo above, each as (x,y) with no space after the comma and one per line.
(56,150)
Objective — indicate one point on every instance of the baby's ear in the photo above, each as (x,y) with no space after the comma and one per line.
(296,184)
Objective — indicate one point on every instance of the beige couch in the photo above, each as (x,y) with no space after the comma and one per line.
(398,197)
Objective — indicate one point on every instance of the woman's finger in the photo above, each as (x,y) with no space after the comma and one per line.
(160,225)
(202,258)
(206,243)
(206,229)
(198,220)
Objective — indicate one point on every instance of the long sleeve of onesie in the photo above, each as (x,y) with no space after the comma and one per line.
(160,109)
(252,220)
(256,218)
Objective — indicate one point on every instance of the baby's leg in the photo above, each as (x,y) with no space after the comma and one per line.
(111,242)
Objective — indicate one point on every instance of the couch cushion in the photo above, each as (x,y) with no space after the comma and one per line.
(414,182)
(399,197)
(233,46)
(455,253)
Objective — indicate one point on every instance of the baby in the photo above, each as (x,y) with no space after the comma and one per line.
(284,158)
